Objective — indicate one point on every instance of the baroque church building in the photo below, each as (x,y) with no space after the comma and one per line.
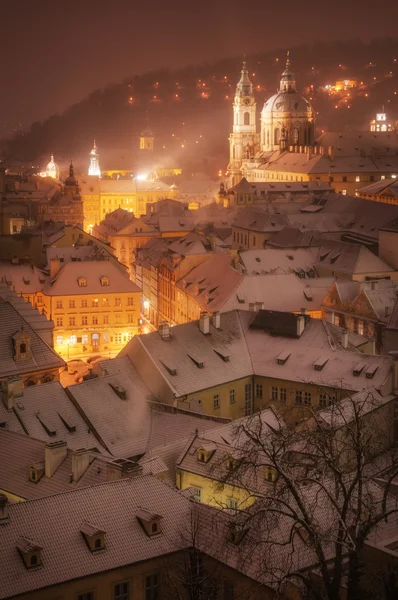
(286,122)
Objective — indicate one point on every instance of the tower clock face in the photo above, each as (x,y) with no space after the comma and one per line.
(246,101)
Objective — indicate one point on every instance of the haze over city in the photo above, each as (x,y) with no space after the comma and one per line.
(199,301)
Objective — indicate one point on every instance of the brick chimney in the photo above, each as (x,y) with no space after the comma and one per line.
(80,463)
(164,330)
(12,388)
(54,454)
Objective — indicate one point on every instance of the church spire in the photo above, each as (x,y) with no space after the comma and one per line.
(245,86)
(94,167)
(288,82)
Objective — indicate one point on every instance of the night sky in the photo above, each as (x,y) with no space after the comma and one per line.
(54,53)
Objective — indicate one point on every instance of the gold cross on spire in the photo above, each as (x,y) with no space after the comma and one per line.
(288,59)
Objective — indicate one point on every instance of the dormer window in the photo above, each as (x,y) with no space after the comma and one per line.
(236,533)
(36,472)
(30,552)
(104,280)
(21,343)
(94,537)
(231,463)
(150,522)
(82,282)
(205,453)
(270,474)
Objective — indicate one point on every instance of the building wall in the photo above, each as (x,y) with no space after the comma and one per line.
(102,585)
(101,326)
(213,492)
(289,409)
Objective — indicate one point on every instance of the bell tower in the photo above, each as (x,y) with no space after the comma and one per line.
(243,141)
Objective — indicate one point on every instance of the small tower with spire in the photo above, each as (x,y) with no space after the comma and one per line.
(243,140)
(52,169)
(146,137)
(94,167)
(71,187)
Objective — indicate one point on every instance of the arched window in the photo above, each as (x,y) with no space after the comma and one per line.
(295,135)
(277,135)
(22,348)
(30,382)
(246,118)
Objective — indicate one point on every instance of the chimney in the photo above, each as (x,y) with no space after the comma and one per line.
(80,463)
(344,339)
(259,305)
(55,265)
(217,320)
(121,469)
(164,330)
(252,306)
(204,323)
(394,355)
(12,388)
(3,509)
(303,311)
(54,454)
(300,325)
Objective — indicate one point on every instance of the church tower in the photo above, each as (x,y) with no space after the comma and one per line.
(52,169)
(94,167)
(243,141)
(146,140)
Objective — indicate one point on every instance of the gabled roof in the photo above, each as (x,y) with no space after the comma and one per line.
(19,452)
(43,357)
(55,523)
(47,413)
(130,426)
(251,351)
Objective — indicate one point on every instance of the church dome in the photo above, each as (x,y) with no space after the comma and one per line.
(286,102)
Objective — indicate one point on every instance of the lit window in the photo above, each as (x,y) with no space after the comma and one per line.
(344,192)
(232,503)
(72,340)
(104,281)
(357,179)
(59,340)
(118,338)
(84,320)
(232,397)
(85,338)
(216,401)
(72,321)
(95,320)
(360,327)
(82,282)
(94,303)
(118,301)
(383,177)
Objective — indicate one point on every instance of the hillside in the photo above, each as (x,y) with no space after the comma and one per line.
(190,112)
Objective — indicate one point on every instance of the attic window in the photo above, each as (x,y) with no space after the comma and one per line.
(104,281)
(171,369)
(94,536)
(197,361)
(231,463)
(282,358)
(258,259)
(240,299)
(205,453)
(36,472)
(26,281)
(222,354)
(371,371)
(71,428)
(324,255)
(320,363)
(30,552)
(46,425)
(307,295)
(236,533)
(150,522)
(335,257)
(357,370)
(82,282)
(270,474)
(119,390)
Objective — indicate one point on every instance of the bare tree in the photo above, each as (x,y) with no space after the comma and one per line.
(309,520)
